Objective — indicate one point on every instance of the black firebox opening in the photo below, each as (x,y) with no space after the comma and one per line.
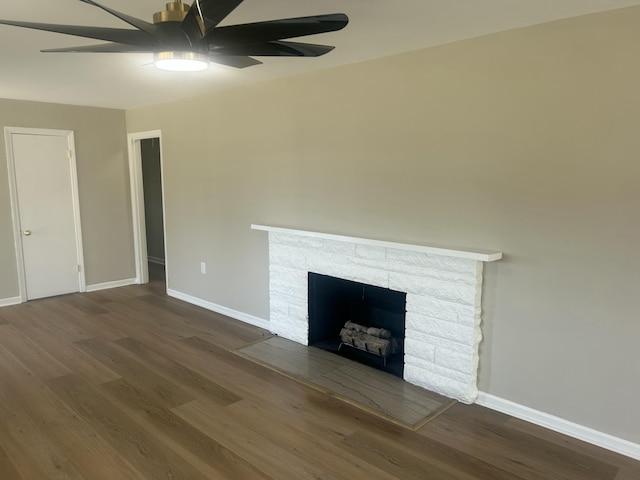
(335,301)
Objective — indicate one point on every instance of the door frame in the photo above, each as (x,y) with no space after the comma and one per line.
(137,204)
(15,210)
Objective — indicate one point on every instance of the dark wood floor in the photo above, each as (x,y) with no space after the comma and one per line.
(131,384)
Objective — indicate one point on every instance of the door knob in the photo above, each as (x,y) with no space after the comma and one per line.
(27,232)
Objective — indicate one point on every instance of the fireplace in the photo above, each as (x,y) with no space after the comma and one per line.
(359,321)
(443,290)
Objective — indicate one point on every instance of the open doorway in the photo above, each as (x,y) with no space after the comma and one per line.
(145,161)
(153,211)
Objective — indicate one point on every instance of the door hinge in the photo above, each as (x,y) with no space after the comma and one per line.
(78,268)
(69,154)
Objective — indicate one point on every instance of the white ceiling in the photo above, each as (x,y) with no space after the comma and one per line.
(377,28)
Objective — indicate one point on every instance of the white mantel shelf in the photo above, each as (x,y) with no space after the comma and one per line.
(479,255)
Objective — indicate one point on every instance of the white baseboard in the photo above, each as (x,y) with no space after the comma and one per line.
(6,302)
(243,317)
(604,440)
(106,285)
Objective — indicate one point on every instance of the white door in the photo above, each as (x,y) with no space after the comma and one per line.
(47,220)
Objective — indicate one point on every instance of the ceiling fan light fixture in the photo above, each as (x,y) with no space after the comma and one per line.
(181,61)
(188,38)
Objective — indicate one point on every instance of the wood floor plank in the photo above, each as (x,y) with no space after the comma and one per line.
(93,324)
(207,322)
(625,473)
(187,320)
(142,449)
(303,413)
(49,315)
(310,440)
(137,325)
(32,355)
(411,464)
(75,439)
(124,294)
(219,365)
(274,460)
(119,360)
(189,380)
(7,468)
(82,364)
(309,410)
(266,387)
(23,439)
(183,436)
(324,417)
(32,454)
(514,450)
(148,318)
(97,297)
(82,303)
(431,452)
(230,365)
(395,461)
(597,453)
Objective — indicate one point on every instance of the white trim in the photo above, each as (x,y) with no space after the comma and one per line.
(604,440)
(137,203)
(15,211)
(71,142)
(7,302)
(15,215)
(481,255)
(243,317)
(114,284)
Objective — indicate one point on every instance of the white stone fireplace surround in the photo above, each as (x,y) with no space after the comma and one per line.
(443,287)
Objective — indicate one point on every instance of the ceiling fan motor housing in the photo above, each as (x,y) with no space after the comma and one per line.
(175,12)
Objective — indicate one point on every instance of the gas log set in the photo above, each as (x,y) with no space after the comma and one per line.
(377,341)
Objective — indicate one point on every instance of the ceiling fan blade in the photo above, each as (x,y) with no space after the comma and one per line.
(260,32)
(277,49)
(104,48)
(205,15)
(146,27)
(234,61)
(119,35)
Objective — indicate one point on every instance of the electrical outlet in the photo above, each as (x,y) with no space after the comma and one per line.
(203,268)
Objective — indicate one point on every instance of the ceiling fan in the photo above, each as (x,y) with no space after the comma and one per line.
(188,38)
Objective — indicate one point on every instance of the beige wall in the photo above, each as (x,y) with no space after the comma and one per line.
(525,141)
(103,182)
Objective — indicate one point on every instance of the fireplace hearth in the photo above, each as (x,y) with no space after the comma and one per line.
(359,321)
